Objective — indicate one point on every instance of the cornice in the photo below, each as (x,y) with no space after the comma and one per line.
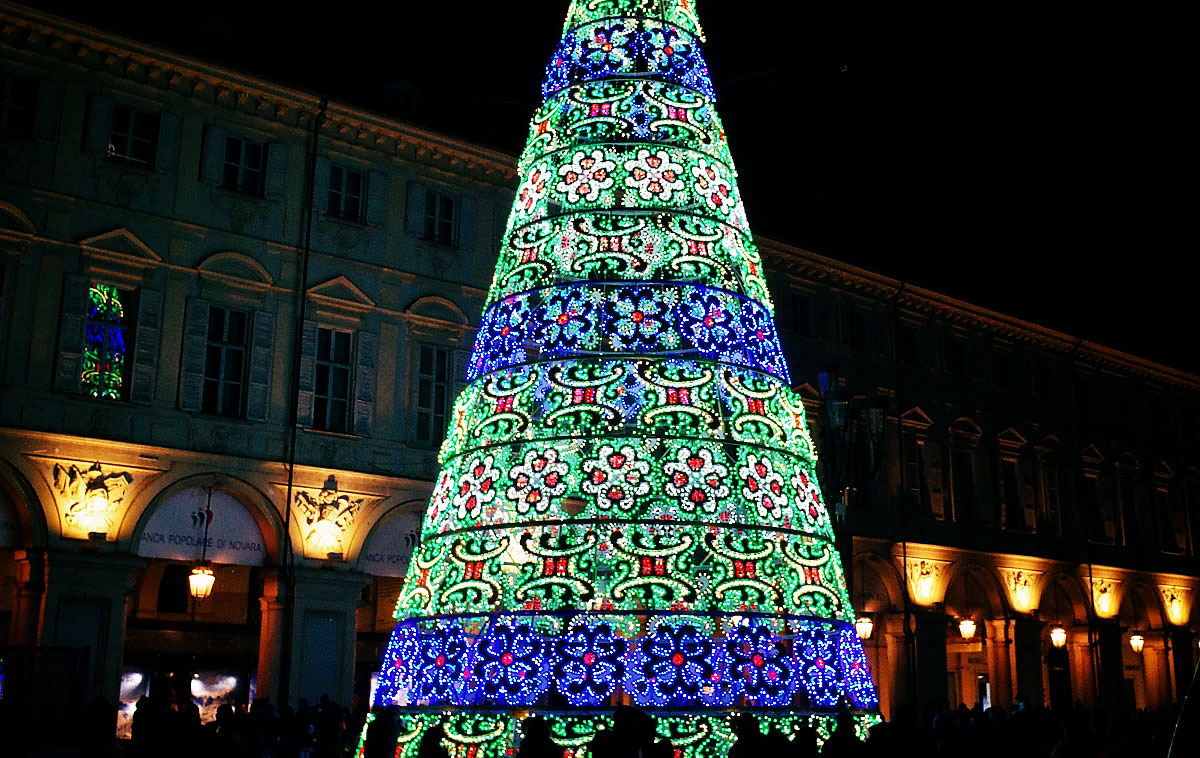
(74,44)
(808,266)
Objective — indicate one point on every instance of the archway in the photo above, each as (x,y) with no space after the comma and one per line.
(384,556)
(183,650)
(1144,657)
(1068,650)
(978,666)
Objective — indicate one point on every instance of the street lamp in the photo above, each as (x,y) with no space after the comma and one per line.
(202,579)
(1058,636)
(1137,642)
(966,628)
(863,626)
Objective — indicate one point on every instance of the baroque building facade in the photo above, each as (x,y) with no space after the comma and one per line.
(234,319)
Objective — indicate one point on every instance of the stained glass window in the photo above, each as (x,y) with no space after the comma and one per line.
(103,372)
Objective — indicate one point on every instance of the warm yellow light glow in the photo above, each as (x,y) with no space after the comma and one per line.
(1105,606)
(1023,597)
(1137,642)
(201,581)
(325,536)
(966,628)
(93,517)
(924,588)
(863,625)
(1058,636)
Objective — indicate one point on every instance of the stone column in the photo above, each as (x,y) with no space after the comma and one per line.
(85,607)
(271,605)
(931,659)
(999,657)
(1083,671)
(29,591)
(1112,667)
(896,676)
(322,641)
(1028,641)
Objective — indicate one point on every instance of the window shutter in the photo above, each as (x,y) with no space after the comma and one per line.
(262,356)
(365,383)
(937,489)
(376,198)
(984,497)
(415,219)
(147,338)
(166,157)
(212,162)
(1025,472)
(49,108)
(468,223)
(71,331)
(276,169)
(462,359)
(195,346)
(321,186)
(99,125)
(308,374)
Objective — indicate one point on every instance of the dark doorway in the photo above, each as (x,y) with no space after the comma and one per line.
(1058,665)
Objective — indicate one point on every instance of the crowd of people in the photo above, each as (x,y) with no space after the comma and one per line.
(328,730)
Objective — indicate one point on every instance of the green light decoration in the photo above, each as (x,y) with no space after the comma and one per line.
(627,509)
(103,373)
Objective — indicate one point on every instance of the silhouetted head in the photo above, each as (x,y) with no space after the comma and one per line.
(535,727)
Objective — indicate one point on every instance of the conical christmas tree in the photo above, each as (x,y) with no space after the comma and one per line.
(627,510)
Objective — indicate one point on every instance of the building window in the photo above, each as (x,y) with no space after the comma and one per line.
(962,482)
(133,136)
(434,377)
(331,400)
(104,350)
(1015,493)
(854,328)
(1052,497)
(346,190)
(802,316)
(225,362)
(441,212)
(245,164)
(18,102)
(957,362)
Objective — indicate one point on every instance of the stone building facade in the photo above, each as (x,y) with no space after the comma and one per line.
(233,321)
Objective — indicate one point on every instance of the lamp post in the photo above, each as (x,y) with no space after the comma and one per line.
(202,579)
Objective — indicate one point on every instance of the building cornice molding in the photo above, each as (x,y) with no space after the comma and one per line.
(808,266)
(75,44)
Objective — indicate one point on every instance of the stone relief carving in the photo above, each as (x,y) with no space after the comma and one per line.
(90,498)
(327,516)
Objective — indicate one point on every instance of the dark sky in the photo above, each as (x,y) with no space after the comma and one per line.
(1027,159)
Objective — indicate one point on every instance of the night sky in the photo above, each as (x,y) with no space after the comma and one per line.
(1027,159)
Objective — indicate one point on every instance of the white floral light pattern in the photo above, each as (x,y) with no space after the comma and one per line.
(654,175)
(615,477)
(538,478)
(716,190)
(586,176)
(476,488)
(763,486)
(696,480)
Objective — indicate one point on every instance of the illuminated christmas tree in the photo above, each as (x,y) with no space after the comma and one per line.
(627,509)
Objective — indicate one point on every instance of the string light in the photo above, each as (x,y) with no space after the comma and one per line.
(627,504)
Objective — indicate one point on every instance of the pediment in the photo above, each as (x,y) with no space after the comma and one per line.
(122,242)
(236,266)
(1163,470)
(342,289)
(914,416)
(966,427)
(438,309)
(14,219)
(1011,438)
(1092,453)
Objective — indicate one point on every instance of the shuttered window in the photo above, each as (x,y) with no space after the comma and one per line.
(225,362)
(434,389)
(331,393)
